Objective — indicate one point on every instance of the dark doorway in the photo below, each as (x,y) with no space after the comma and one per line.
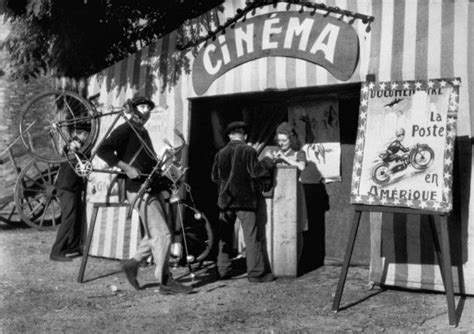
(203,146)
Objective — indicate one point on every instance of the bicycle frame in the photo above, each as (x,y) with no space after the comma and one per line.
(166,165)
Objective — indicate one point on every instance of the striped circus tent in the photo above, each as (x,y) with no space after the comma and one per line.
(409,40)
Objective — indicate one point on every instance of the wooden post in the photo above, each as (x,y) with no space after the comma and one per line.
(87,247)
(447,274)
(347,260)
(284,223)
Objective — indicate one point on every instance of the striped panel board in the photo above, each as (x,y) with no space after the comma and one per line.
(115,236)
(409,40)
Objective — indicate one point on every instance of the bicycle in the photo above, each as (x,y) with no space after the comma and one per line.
(55,114)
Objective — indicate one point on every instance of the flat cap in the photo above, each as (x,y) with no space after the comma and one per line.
(236,125)
(142,100)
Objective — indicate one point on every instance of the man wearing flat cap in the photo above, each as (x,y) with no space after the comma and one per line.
(237,171)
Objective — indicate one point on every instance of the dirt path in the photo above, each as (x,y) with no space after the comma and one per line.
(40,296)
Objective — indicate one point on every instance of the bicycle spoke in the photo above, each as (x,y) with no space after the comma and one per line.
(50,177)
(29,126)
(66,123)
(57,99)
(66,103)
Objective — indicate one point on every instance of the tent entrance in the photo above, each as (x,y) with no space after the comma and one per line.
(263,112)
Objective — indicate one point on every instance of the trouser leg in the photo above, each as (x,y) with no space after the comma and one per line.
(254,237)
(225,234)
(317,202)
(69,216)
(157,239)
(76,237)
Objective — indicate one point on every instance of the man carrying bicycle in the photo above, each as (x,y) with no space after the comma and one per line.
(129,147)
(71,187)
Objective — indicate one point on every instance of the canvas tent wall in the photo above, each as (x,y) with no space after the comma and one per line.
(409,40)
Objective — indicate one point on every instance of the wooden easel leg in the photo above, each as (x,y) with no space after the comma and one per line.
(85,255)
(347,259)
(437,247)
(446,267)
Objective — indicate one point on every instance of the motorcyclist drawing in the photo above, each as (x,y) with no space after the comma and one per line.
(393,150)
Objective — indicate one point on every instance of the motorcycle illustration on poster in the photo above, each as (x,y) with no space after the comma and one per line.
(405,144)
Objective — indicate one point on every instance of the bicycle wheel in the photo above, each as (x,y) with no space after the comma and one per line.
(35,195)
(198,238)
(48,121)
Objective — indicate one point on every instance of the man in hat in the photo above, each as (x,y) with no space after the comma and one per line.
(236,170)
(70,188)
(129,147)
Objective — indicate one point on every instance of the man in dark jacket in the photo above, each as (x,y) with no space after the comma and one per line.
(129,147)
(71,189)
(236,170)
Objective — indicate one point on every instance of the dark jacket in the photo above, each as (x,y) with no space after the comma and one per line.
(236,170)
(68,180)
(122,144)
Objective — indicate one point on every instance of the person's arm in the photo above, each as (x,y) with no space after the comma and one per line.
(300,161)
(258,168)
(131,171)
(404,148)
(107,151)
(215,169)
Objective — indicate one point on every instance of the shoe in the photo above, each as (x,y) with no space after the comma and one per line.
(130,269)
(224,277)
(264,279)
(59,258)
(73,252)
(172,287)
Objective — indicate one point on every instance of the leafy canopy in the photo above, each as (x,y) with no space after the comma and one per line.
(77,38)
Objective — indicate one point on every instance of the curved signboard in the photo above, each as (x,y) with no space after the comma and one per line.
(325,41)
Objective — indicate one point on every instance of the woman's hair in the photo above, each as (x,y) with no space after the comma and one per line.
(286,129)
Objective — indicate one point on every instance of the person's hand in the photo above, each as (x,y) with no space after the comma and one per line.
(280,157)
(132,172)
(270,154)
(75,145)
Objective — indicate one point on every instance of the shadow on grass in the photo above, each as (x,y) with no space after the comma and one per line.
(360,300)
(101,276)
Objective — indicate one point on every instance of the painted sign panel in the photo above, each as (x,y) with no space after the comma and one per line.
(322,40)
(317,124)
(405,144)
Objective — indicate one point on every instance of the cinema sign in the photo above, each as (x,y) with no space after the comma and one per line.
(322,40)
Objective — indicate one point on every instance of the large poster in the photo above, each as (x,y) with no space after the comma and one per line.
(405,144)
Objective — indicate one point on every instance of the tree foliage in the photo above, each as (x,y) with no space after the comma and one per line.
(77,38)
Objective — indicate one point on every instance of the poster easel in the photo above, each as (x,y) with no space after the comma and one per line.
(438,224)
